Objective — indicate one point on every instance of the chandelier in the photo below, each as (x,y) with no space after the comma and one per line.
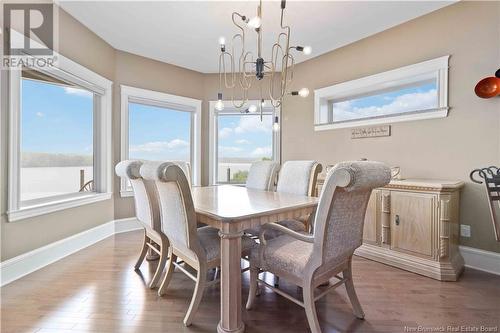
(239,69)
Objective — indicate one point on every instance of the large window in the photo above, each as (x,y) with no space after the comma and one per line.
(160,127)
(59,139)
(409,93)
(239,139)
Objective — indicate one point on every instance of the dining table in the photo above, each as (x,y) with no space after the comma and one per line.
(233,209)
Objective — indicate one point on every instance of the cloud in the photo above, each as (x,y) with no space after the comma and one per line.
(78,92)
(407,102)
(159,146)
(225,132)
(266,151)
(40,114)
(253,124)
(242,142)
(229,149)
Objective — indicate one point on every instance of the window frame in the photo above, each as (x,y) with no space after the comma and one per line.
(160,99)
(213,135)
(73,73)
(436,69)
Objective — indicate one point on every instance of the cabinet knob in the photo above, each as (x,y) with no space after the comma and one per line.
(397,219)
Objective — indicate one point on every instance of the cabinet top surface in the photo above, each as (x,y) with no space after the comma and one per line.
(431,184)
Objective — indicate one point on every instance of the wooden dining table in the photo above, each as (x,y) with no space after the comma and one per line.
(233,209)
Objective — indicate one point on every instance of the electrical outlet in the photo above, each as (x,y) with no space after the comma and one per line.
(465,230)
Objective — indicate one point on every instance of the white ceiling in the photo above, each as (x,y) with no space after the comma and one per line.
(186,33)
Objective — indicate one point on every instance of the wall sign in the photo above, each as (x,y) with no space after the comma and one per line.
(371,132)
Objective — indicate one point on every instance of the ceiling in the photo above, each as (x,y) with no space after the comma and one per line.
(186,33)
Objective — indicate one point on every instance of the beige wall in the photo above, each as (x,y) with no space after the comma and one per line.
(140,72)
(446,148)
(83,46)
(443,148)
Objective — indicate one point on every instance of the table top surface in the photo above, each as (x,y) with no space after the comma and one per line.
(229,202)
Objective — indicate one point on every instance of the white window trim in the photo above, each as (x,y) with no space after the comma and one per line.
(156,98)
(213,135)
(437,67)
(67,70)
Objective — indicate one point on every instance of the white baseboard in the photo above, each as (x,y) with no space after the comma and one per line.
(26,263)
(481,260)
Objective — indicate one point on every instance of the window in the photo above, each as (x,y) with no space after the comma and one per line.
(160,127)
(409,93)
(59,139)
(239,139)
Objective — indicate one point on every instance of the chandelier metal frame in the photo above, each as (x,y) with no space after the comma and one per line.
(249,69)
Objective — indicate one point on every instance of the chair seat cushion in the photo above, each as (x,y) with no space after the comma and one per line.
(273,233)
(210,240)
(283,253)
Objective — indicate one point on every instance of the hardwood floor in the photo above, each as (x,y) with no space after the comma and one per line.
(97,290)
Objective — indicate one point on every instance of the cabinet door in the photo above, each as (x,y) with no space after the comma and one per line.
(412,216)
(370,228)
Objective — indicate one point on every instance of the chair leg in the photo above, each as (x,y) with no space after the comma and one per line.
(161,264)
(168,275)
(254,274)
(349,286)
(201,279)
(144,250)
(310,307)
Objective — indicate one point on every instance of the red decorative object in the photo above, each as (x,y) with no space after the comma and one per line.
(489,87)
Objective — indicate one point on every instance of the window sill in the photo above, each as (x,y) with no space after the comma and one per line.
(431,114)
(46,208)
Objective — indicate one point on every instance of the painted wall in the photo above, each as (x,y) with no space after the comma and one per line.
(83,46)
(140,72)
(447,148)
(443,148)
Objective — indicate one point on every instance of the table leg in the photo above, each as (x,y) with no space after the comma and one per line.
(230,321)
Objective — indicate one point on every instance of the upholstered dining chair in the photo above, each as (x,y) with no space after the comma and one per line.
(296,177)
(148,214)
(197,247)
(310,260)
(262,175)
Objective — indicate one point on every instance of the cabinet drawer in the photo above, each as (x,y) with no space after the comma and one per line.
(412,216)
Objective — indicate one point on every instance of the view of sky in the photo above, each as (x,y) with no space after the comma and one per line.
(420,97)
(245,136)
(56,119)
(158,134)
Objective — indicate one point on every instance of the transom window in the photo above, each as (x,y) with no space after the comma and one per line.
(238,140)
(414,92)
(160,127)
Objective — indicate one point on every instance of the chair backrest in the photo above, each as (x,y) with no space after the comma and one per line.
(178,217)
(298,177)
(262,175)
(146,205)
(341,210)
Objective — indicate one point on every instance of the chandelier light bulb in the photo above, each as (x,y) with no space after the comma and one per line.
(307,50)
(222,41)
(304,92)
(219,106)
(252,108)
(276,124)
(262,103)
(254,22)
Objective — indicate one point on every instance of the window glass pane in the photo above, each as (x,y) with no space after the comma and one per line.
(416,97)
(56,139)
(242,139)
(159,134)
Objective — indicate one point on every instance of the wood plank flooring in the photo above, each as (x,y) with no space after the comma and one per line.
(97,290)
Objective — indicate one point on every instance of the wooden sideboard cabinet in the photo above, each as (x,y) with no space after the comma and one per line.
(413,224)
